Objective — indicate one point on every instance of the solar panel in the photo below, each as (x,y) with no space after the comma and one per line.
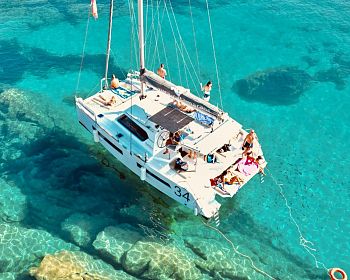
(171,119)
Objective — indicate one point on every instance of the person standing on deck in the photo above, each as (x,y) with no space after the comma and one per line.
(161,71)
(114,82)
(207,89)
(248,142)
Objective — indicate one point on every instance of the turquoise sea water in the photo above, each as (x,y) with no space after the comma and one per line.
(284,69)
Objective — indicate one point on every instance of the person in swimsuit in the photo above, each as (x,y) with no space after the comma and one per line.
(114,82)
(182,107)
(248,141)
(207,89)
(161,71)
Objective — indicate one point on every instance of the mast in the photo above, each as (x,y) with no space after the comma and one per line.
(141,41)
(109,40)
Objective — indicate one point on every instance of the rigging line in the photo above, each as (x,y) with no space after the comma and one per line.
(83,53)
(194,38)
(162,40)
(186,76)
(214,53)
(182,42)
(117,59)
(178,63)
(156,35)
(149,33)
(302,240)
(152,33)
(155,41)
(136,37)
(177,47)
(132,22)
(175,41)
(146,27)
(239,253)
(94,89)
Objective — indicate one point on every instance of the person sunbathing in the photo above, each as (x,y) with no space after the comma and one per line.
(230,179)
(182,107)
(106,102)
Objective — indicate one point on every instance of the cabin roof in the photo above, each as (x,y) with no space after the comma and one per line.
(171,119)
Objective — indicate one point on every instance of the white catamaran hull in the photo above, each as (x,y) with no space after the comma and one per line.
(178,192)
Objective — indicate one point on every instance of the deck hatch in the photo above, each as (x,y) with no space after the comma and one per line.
(171,119)
(133,127)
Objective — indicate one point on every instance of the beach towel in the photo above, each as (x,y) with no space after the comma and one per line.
(203,119)
(247,167)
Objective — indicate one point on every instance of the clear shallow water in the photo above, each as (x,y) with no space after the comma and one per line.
(284,70)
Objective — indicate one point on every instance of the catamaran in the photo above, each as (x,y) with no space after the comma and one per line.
(177,142)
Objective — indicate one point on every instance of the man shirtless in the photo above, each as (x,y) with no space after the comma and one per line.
(114,82)
(161,71)
(248,141)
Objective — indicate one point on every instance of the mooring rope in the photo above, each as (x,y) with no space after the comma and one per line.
(306,244)
(239,253)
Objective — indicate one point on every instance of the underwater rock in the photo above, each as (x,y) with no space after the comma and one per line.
(12,203)
(276,86)
(8,276)
(83,228)
(113,242)
(27,115)
(20,247)
(151,260)
(135,212)
(217,260)
(75,266)
(335,75)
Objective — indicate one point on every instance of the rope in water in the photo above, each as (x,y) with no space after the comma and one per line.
(306,244)
(239,253)
(214,53)
(83,53)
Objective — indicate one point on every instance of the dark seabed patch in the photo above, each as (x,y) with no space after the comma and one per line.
(311,62)
(275,86)
(336,74)
(16,60)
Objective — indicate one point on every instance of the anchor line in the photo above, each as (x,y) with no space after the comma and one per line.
(306,244)
(239,253)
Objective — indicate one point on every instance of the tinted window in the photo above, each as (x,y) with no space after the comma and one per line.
(133,127)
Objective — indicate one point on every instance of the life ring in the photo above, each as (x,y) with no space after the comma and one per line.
(335,270)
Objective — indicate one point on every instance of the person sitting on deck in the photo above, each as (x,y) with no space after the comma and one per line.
(114,82)
(182,107)
(207,89)
(260,161)
(106,102)
(181,165)
(169,141)
(161,71)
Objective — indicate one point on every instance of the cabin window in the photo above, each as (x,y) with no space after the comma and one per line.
(133,127)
